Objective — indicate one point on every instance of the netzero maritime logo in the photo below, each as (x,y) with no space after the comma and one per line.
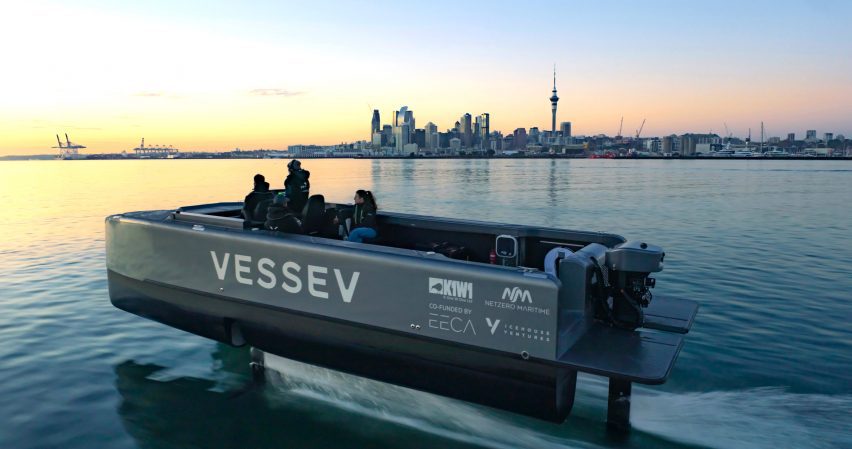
(515,294)
(451,288)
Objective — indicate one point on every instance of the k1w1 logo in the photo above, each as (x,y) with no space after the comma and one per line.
(451,288)
(515,294)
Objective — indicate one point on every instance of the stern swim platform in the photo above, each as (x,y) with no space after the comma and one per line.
(511,337)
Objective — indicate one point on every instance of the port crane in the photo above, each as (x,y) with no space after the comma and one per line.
(69,150)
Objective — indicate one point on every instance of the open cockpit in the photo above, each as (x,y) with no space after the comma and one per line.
(481,242)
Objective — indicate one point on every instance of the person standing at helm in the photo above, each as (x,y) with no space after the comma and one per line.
(297,186)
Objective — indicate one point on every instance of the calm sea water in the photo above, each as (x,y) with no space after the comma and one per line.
(764,246)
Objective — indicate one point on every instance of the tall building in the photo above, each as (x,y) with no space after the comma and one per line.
(431,136)
(828,137)
(553,100)
(484,130)
(376,124)
(387,135)
(791,137)
(520,138)
(810,135)
(466,131)
(403,130)
(565,129)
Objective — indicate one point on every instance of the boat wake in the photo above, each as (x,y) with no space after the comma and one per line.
(436,415)
(754,418)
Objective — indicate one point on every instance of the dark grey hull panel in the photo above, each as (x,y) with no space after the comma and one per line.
(490,378)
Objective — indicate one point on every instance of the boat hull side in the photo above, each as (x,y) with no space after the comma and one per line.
(484,377)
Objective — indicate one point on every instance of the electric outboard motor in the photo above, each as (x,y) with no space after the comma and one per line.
(624,289)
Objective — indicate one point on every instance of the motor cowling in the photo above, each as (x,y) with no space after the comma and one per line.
(627,283)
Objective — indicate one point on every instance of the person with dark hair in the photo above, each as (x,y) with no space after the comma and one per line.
(297,186)
(256,199)
(363,217)
(280,218)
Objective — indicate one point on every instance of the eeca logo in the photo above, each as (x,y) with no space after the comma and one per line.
(451,288)
(514,294)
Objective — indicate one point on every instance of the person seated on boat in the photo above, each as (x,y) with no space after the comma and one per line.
(363,217)
(260,193)
(297,186)
(281,218)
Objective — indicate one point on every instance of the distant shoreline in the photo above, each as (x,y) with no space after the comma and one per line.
(108,157)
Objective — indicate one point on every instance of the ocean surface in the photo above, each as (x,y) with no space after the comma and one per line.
(764,246)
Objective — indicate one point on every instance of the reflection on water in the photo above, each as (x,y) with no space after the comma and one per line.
(762,245)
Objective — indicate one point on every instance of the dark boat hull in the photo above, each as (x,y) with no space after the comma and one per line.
(489,378)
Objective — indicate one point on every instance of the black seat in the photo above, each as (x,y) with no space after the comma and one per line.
(253,213)
(314,215)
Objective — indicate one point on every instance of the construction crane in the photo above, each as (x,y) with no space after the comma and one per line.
(639,131)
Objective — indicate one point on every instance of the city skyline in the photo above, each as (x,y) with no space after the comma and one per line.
(268,76)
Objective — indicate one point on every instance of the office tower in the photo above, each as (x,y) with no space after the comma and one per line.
(520,138)
(484,130)
(810,135)
(534,135)
(466,131)
(553,100)
(477,138)
(403,130)
(420,138)
(565,129)
(828,137)
(376,124)
(409,120)
(431,136)
(791,137)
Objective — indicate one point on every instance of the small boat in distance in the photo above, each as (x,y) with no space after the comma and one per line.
(497,314)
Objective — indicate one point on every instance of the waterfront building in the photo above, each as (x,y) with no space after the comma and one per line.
(420,138)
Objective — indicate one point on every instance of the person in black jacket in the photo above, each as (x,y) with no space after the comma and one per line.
(259,194)
(280,218)
(363,217)
(297,186)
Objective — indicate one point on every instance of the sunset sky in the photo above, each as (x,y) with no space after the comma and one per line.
(266,74)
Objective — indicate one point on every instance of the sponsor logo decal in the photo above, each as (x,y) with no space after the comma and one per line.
(515,294)
(451,323)
(451,289)
(492,326)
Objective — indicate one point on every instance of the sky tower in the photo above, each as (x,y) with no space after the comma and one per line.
(553,100)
